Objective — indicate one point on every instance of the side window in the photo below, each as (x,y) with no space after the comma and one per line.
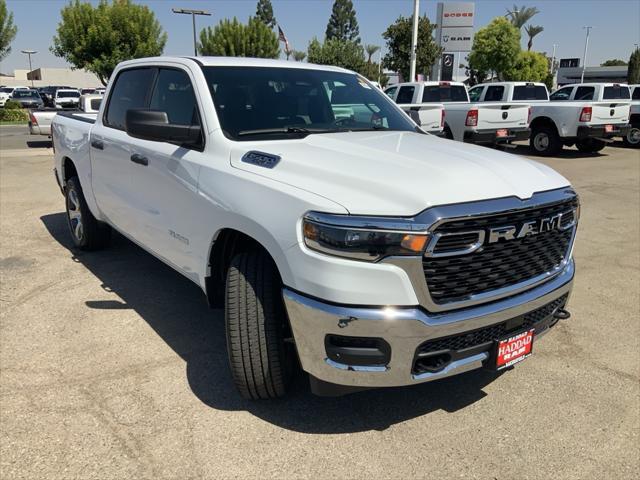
(130,91)
(391,92)
(562,94)
(584,93)
(494,93)
(405,95)
(636,94)
(173,93)
(475,94)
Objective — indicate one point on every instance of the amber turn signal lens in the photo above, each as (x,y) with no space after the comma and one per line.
(415,243)
(310,231)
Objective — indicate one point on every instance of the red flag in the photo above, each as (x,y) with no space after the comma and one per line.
(283,38)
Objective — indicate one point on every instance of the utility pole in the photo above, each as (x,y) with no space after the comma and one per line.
(193,14)
(30,52)
(584,57)
(553,57)
(414,40)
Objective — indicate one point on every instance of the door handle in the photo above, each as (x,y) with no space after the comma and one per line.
(137,158)
(98,144)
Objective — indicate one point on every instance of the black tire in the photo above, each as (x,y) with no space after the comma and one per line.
(632,139)
(256,325)
(87,233)
(545,141)
(590,145)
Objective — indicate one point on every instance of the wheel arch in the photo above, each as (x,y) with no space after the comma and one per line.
(542,122)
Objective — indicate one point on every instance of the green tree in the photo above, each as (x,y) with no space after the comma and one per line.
(371,51)
(633,73)
(264,13)
(398,37)
(343,24)
(230,38)
(336,52)
(495,48)
(299,56)
(532,31)
(614,62)
(98,38)
(521,15)
(529,66)
(7,30)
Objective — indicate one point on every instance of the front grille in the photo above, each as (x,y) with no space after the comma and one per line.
(493,266)
(454,343)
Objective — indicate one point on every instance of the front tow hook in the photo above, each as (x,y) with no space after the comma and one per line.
(561,314)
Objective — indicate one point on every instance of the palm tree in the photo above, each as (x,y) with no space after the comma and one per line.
(520,16)
(532,31)
(299,56)
(371,50)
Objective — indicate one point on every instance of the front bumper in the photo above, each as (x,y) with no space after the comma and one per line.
(491,136)
(404,330)
(598,131)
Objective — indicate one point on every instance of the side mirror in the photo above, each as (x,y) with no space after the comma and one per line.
(154,125)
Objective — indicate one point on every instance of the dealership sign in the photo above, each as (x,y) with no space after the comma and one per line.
(454,31)
(457,39)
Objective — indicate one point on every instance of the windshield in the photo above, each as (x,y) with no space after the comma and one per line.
(62,94)
(25,94)
(270,103)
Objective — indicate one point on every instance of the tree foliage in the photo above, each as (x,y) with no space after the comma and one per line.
(230,38)
(633,73)
(529,66)
(343,24)
(299,56)
(98,38)
(340,53)
(371,51)
(7,30)
(614,62)
(521,15)
(264,13)
(532,31)
(398,37)
(495,48)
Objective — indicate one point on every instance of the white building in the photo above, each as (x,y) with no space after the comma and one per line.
(43,77)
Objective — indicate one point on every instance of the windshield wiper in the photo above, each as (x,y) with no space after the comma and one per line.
(272,131)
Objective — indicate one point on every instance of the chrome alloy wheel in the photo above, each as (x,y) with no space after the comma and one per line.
(74,215)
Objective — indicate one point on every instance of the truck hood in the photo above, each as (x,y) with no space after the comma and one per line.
(397,173)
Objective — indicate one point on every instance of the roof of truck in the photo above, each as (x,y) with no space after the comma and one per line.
(238,62)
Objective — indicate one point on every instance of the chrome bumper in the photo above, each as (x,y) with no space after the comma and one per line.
(404,329)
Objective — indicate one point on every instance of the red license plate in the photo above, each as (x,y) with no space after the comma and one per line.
(514,349)
(608,128)
(503,132)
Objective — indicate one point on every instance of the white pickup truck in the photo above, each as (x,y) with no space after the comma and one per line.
(632,138)
(587,115)
(376,254)
(481,123)
(40,120)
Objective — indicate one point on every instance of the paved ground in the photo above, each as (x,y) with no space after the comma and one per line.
(113,367)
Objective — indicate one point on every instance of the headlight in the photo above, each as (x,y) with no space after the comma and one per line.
(361,243)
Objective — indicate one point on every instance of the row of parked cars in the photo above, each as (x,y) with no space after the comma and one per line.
(586,115)
(59,96)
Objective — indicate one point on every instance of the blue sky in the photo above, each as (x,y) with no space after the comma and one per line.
(616,23)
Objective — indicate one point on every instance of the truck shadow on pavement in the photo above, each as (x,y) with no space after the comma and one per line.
(176,310)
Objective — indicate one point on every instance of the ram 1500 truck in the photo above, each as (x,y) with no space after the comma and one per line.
(481,123)
(587,115)
(376,254)
(632,138)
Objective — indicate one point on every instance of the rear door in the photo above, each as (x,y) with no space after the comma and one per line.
(111,147)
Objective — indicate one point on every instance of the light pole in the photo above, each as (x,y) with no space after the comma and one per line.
(553,58)
(414,41)
(584,56)
(30,52)
(193,14)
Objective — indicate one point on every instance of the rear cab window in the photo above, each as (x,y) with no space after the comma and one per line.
(444,93)
(616,92)
(530,92)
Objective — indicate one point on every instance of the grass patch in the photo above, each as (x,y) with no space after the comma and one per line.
(12,122)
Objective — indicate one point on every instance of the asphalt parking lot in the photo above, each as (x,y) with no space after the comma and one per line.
(112,366)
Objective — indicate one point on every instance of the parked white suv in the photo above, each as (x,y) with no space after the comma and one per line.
(377,254)
(587,115)
(67,98)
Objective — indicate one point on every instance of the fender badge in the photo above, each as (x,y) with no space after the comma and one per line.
(261,159)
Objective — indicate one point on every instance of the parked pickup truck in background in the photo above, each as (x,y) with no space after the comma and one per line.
(377,254)
(587,115)
(40,120)
(66,98)
(495,123)
(632,138)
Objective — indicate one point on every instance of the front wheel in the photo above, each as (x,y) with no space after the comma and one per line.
(259,343)
(632,139)
(86,231)
(590,145)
